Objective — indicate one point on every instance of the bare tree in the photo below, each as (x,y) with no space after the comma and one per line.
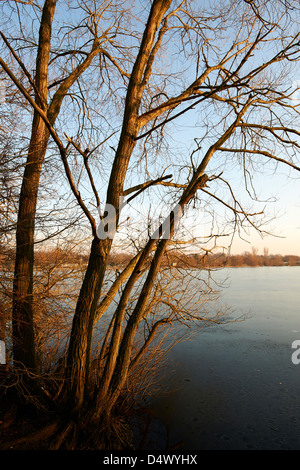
(228,70)
(24,347)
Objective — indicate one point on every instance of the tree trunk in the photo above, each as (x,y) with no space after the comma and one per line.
(77,368)
(23,327)
(105,404)
(22,321)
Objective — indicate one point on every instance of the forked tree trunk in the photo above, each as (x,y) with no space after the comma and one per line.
(78,354)
(79,348)
(104,404)
(116,379)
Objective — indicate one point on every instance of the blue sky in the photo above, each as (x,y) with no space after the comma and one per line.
(278,192)
(284,213)
(286,222)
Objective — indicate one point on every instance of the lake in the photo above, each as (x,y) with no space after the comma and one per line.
(235,386)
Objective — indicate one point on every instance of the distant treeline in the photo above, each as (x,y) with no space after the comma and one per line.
(209,260)
(174,258)
(240,260)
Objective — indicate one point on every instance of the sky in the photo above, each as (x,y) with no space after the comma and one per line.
(285,241)
(281,191)
(284,214)
(286,224)
(281,219)
(283,228)
(279,198)
(278,193)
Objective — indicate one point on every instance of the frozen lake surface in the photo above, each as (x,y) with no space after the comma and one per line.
(235,386)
